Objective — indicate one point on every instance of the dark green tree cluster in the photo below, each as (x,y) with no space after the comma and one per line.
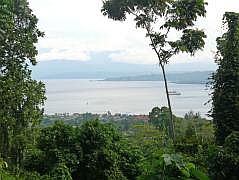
(92,151)
(225,85)
(224,161)
(160,118)
(56,146)
(160,19)
(21,97)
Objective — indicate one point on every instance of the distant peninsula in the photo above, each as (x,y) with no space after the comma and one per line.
(197,77)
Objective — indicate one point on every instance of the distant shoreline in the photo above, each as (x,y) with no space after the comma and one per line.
(196,77)
(200,77)
(182,82)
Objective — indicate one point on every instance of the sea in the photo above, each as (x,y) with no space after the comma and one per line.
(126,97)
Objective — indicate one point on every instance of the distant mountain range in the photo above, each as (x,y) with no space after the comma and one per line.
(60,69)
(179,78)
(100,68)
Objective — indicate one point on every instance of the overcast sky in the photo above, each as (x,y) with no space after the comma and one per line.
(75,29)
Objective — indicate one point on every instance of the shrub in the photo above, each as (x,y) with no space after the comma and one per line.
(224,162)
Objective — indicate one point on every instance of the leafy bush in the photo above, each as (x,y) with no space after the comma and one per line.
(224,162)
(60,172)
(92,151)
(104,151)
(170,166)
(56,145)
(190,149)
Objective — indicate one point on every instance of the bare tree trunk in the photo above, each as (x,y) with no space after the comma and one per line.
(171,123)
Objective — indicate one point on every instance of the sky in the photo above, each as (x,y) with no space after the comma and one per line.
(76,29)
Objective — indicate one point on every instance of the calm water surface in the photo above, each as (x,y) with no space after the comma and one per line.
(135,97)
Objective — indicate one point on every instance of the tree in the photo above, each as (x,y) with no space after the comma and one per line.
(21,97)
(91,151)
(159,117)
(106,155)
(57,145)
(160,19)
(191,115)
(224,160)
(225,96)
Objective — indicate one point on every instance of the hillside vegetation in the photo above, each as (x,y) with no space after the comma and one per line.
(118,147)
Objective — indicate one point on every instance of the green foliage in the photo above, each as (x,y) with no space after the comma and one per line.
(3,166)
(192,129)
(224,161)
(95,135)
(20,175)
(25,175)
(95,150)
(60,172)
(21,98)
(225,96)
(159,118)
(104,151)
(114,174)
(149,139)
(189,149)
(107,154)
(154,144)
(191,115)
(190,41)
(92,151)
(36,160)
(184,168)
(231,142)
(60,144)
(171,166)
(130,158)
(56,145)
(5,17)
(182,13)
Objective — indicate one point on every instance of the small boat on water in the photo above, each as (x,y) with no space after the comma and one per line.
(174,93)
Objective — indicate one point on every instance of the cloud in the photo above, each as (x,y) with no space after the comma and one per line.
(75,29)
(64,54)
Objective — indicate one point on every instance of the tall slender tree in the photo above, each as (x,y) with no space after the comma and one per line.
(160,19)
(21,97)
(225,82)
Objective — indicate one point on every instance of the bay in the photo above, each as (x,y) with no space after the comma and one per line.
(130,97)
